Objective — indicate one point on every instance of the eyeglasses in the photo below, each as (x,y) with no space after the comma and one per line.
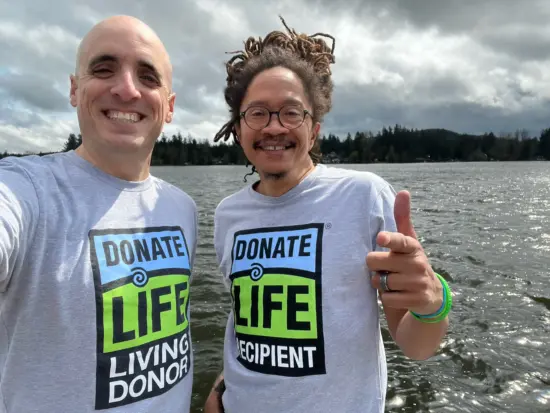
(290,116)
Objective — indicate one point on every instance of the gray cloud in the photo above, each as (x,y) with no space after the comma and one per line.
(19,116)
(517,28)
(448,16)
(430,104)
(35,90)
(10,141)
(466,65)
(523,43)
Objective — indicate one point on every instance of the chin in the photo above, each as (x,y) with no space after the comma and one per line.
(273,170)
(127,143)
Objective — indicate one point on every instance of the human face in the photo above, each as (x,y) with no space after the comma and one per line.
(276,150)
(122,91)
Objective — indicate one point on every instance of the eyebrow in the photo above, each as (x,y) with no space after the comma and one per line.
(111,58)
(287,101)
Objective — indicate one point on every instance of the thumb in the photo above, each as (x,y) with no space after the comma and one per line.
(402,214)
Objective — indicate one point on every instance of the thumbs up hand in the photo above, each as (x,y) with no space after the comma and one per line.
(403,274)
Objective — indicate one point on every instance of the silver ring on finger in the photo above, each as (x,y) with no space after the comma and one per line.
(384,282)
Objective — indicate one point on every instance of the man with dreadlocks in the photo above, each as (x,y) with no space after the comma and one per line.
(305,250)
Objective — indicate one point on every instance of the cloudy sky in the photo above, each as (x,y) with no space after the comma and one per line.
(467,65)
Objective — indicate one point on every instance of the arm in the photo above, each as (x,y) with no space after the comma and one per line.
(416,286)
(18,217)
(214,401)
(193,252)
(417,340)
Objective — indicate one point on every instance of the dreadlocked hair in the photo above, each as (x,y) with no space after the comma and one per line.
(308,56)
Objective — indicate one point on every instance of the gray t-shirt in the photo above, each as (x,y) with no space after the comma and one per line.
(304,334)
(94,290)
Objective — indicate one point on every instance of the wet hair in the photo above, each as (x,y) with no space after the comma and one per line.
(308,56)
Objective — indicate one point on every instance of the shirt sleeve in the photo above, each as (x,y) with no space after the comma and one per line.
(221,218)
(218,243)
(196,240)
(382,217)
(18,217)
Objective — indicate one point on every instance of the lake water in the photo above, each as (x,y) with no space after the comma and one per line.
(486,226)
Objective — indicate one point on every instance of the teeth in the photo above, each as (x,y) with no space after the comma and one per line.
(123,116)
(274,148)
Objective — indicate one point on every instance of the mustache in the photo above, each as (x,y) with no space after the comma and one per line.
(271,141)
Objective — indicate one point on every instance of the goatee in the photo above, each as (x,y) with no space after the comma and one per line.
(274,176)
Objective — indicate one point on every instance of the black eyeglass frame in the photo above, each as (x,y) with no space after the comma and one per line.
(305,112)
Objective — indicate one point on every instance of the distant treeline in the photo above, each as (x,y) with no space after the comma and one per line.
(391,145)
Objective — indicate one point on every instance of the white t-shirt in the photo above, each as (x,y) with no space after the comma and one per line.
(94,290)
(304,332)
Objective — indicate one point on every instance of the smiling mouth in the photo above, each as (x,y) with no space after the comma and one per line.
(271,148)
(124,117)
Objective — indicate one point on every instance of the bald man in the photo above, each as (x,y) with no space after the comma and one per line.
(96,254)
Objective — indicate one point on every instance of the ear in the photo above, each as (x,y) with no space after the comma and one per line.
(314,134)
(171,104)
(72,92)
(238,131)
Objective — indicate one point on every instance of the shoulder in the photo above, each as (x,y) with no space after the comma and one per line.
(177,194)
(34,167)
(232,201)
(20,174)
(354,180)
(25,165)
(21,183)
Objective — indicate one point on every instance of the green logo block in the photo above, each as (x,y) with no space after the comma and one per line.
(134,316)
(277,305)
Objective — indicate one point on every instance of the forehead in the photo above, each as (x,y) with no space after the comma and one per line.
(129,45)
(275,87)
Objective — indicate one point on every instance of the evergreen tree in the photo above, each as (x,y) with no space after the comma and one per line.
(391,144)
(72,143)
(544,144)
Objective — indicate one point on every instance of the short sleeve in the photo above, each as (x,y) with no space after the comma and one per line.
(196,240)
(19,212)
(218,234)
(382,217)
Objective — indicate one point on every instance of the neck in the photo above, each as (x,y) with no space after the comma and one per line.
(275,185)
(123,166)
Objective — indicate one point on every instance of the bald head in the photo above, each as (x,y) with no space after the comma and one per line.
(127,28)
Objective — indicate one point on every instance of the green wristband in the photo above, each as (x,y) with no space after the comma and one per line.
(445,309)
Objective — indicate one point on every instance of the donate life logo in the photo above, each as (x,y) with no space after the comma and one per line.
(277,300)
(142,293)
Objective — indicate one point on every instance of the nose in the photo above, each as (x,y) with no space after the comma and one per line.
(274,126)
(125,87)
